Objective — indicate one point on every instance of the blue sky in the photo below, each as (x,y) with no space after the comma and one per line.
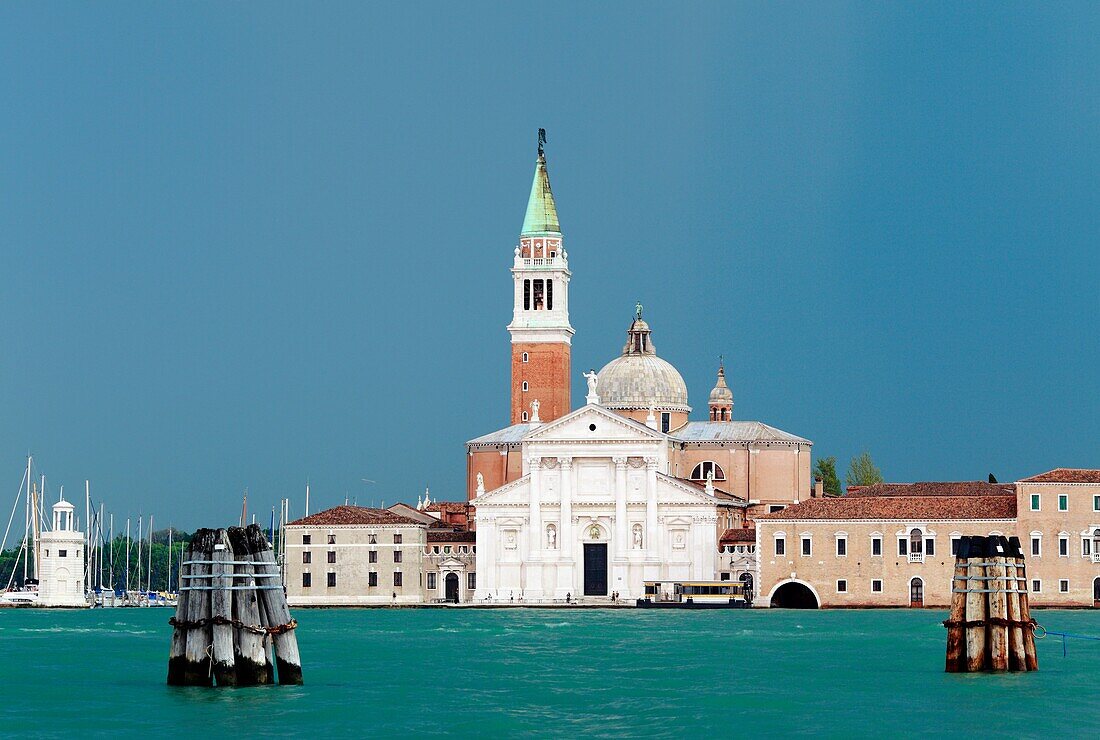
(247,245)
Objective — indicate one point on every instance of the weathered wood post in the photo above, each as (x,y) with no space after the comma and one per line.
(221,610)
(1031,660)
(196,671)
(1016,585)
(956,629)
(998,606)
(281,626)
(176,657)
(976,610)
(250,651)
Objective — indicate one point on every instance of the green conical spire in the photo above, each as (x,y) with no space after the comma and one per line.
(542,214)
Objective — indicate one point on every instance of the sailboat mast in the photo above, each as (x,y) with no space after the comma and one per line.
(127,555)
(139,542)
(168,575)
(88,548)
(27,521)
(149,574)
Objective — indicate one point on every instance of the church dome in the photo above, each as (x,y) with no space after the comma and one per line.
(639,379)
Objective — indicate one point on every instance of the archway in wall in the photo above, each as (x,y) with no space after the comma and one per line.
(794,595)
(450,584)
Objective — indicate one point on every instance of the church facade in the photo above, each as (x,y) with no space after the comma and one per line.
(594,501)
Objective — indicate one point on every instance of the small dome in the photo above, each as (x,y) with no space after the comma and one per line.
(721,393)
(639,379)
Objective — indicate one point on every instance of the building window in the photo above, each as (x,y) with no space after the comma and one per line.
(332,580)
(807,547)
(780,546)
(446,549)
(332,556)
(372,539)
(526,297)
(1086,547)
(724,575)
(549,295)
(876,546)
(841,547)
(525,386)
(1035,502)
(62,553)
(703,469)
(372,556)
(539,297)
(666,421)
(524,357)
(772,508)
(1036,546)
(435,549)
(463,549)
(876,586)
(372,579)
(307,557)
(471,581)
(1063,586)
(397,556)
(306,539)
(332,539)
(842,586)
(397,578)
(397,539)
(1063,547)
(955,545)
(1036,586)
(929,546)
(903,546)
(1063,502)
(1096,503)
(524,416)
(431,581)
(307,580)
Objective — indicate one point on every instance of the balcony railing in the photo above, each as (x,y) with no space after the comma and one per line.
(1096,557)
(916,557)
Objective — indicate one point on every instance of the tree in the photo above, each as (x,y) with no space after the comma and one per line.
(825,471)
(862,471)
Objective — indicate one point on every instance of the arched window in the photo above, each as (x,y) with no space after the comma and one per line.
(916,541)
(525,386)
(916,593)
(523,357)
(525,416)
(704,468)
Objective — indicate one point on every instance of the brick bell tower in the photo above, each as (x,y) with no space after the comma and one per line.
(540,328)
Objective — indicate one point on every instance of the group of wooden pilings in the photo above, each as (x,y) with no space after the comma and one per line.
(232,617)
(990,628)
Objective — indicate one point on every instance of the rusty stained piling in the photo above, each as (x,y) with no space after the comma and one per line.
(990,627)
(232,610)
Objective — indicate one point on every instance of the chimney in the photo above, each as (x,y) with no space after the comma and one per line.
(819,489)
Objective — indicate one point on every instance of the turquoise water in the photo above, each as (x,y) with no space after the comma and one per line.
(550,672)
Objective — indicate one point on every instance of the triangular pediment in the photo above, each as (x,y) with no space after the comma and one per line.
(452,562)
(515,492)
(577,427)
(672,491)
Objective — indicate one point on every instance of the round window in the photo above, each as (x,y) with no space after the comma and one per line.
(591,427)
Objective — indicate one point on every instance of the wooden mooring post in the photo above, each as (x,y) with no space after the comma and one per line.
(990,627)
(232,624)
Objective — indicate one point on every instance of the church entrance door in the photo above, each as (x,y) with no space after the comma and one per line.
(595,569)
(451,587)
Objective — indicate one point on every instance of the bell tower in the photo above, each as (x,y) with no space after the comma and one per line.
(540,328)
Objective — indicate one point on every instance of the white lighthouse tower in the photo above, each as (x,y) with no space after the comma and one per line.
(61,565)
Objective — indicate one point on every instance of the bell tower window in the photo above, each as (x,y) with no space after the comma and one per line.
(539,297)
(526,295)
(549,295)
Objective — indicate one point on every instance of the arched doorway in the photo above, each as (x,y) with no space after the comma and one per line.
(450,584)
(746,579)
(793,595)
(1096,592)
(916,593)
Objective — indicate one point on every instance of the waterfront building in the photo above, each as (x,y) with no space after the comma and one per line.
(591,502)
(355,556)
(61,565)
(894,544)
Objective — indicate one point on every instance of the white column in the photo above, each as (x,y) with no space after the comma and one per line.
(564,583)
(486,559)
(534,535)
(620,507)
(651,507)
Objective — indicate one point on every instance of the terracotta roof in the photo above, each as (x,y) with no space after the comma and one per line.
(438,536)
(1065,475)
(900,508)
(741,534)
(352,515)
(957,488)
(451,507)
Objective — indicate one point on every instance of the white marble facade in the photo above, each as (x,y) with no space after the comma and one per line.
(594,514)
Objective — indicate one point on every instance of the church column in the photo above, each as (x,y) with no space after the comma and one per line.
(485,559)
(651,507)
(620,506)
(534,534)
(565,531)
